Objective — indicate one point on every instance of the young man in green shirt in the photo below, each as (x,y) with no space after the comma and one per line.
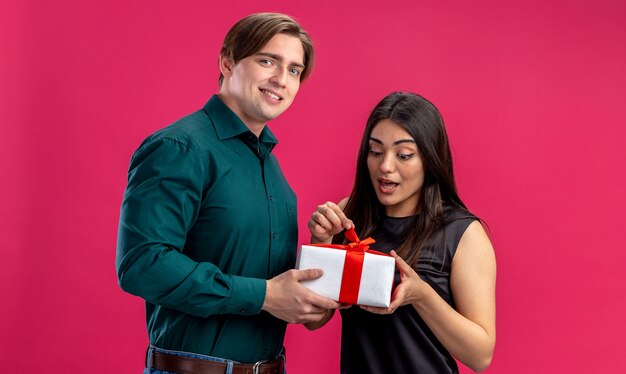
(208,227)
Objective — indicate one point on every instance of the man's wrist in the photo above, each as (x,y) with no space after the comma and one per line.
(247,295)
(266,296)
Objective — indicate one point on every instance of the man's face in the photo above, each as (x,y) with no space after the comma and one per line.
(260,87)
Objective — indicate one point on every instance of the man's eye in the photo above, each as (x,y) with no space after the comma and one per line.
(266,62)
(294,72)
(405,156)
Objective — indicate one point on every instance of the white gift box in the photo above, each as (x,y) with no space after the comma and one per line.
(376,276)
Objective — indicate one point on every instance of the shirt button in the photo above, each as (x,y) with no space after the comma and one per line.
(265,350)
(271,197)
(243,310)
(274,235)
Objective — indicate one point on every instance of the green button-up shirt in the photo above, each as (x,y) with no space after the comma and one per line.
(207,217)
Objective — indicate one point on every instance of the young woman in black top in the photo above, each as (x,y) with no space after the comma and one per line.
(405,197)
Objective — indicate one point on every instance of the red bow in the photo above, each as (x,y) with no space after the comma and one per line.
(353,265)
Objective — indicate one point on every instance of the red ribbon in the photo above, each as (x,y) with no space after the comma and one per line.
(353,265)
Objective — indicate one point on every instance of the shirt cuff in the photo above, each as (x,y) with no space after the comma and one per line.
(247,295)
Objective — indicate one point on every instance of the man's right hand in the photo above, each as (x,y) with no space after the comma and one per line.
(287,299)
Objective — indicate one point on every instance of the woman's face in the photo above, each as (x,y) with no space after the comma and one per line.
(395,168)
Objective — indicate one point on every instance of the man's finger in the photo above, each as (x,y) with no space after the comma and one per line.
(323,302)
(308,274)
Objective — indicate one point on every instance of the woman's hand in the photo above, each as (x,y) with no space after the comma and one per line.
(409,290)
(327,221)
(327,316)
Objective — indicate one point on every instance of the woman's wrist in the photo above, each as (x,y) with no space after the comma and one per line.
(317,240)
(422,295)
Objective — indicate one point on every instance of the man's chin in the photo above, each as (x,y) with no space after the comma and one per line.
(270,115)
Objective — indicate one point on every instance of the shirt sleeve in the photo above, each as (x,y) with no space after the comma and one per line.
(161,203)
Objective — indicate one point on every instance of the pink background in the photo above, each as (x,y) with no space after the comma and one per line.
(533,97)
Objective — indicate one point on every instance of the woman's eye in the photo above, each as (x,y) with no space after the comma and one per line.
(375,153)
(405,156)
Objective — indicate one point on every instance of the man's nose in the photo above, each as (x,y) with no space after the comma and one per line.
(279,77)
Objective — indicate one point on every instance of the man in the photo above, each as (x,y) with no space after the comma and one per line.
(208,225)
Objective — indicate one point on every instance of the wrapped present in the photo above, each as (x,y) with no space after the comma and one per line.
(353,273)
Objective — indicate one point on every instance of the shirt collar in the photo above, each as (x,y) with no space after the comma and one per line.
(228,125)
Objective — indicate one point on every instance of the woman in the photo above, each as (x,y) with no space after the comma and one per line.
(404,196)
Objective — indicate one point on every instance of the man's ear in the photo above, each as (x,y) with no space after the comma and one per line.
(226,66)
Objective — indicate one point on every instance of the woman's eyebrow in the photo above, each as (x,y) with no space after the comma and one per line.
(373,139)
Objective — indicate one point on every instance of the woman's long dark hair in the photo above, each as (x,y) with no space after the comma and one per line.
(421,119)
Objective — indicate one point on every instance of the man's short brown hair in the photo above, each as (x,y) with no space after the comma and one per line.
(249,35)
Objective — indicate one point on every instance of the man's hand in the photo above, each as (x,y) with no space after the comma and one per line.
(287,299)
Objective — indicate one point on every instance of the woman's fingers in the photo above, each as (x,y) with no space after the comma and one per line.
(401,264)
(377,310)
(331,218)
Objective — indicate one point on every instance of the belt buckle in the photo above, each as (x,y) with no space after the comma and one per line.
(256,368)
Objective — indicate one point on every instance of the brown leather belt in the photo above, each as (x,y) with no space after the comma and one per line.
(190,365)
